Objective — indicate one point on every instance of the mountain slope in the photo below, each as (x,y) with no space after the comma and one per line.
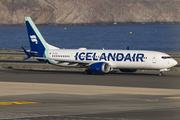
(89,11)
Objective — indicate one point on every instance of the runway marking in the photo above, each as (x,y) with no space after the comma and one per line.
(18,103)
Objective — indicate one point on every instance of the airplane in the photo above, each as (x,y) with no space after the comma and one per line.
(95,60)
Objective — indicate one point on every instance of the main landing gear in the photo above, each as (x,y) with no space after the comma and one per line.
(87,71)
(161,73)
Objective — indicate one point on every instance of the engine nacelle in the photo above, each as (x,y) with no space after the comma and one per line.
(128,70)
(100,67)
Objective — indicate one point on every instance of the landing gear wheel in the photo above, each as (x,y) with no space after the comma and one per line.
(161,74)
(87,72)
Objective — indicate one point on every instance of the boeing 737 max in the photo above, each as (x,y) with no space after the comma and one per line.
(94,60)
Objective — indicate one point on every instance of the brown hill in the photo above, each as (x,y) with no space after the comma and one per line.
(89,11)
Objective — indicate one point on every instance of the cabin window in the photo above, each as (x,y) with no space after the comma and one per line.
(166,57)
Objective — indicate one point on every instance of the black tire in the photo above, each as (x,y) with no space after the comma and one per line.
(88,72)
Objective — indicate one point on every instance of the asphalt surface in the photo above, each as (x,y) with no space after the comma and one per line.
(147,79)
(72,95)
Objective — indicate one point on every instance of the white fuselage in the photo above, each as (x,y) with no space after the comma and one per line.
(121,59)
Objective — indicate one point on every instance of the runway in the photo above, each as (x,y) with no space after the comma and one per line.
(72,95)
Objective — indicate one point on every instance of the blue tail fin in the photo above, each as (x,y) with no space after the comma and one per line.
(36,40)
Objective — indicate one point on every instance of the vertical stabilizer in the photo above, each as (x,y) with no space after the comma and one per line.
(36,40)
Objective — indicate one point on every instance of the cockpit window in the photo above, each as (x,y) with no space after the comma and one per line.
(166,57)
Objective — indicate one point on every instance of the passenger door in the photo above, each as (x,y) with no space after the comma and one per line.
(154,58)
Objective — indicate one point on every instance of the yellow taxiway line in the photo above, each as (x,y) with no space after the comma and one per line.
(18,103)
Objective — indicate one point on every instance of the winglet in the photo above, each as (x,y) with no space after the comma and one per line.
(28,55)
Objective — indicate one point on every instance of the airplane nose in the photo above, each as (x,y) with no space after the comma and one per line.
(174,63)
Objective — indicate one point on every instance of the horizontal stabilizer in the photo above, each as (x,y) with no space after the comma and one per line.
(28,55)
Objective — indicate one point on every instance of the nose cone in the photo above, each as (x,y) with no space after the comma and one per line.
(173,63)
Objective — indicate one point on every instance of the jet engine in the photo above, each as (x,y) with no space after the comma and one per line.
(102,67)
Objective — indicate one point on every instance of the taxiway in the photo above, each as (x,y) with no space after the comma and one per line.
(72,95)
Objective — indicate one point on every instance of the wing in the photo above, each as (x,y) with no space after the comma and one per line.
(66,60)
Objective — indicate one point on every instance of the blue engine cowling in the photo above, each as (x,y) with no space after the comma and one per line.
(102,67)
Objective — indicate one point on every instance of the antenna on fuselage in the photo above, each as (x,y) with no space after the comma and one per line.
(127,47)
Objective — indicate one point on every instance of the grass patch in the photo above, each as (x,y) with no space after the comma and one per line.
(9,50)
(173,53)
(10,57)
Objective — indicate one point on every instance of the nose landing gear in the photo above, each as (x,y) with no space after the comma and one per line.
(162,70)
